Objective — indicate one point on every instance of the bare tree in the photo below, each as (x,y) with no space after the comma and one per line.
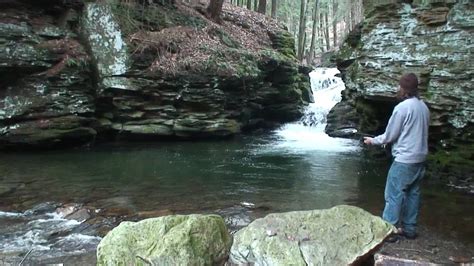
(326,29)
(334,22)
(353,15)
(214,10)
(274,8)
(301,29)
(249,4)
(314,31)
(262,6)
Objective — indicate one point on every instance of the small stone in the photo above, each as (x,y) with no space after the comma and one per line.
(67,209)
(80,215)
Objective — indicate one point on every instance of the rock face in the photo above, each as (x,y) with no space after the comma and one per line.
(46,92)
(338,236)
(432,39)
(169,240)
(71,74)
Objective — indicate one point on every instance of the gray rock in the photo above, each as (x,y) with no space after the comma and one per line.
(168,240)
(338,236)
(107,45)
(80,215)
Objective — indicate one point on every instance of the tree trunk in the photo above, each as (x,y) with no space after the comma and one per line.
(214,10)
(255,5)
(274,8)
(301,30)
(321,30)
(262,6)
(328,43)
(314,31)
(249,4)
(353,15)
(334,22)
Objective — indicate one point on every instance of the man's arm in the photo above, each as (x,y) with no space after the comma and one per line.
(392,132)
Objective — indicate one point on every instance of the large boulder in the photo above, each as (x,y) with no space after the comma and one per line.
(338,236)
(169,240)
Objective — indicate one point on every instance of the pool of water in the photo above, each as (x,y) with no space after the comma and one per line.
(264,170)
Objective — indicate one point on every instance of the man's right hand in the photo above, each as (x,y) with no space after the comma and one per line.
(368,140)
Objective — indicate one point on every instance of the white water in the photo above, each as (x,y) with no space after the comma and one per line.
(308,134)
(42,234)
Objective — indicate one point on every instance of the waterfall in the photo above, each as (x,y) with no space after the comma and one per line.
(308,133)
(327,90)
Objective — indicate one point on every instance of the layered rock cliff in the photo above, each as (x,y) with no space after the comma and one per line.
(73,71)
(430,38)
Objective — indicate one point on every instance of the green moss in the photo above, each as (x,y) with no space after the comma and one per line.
(284,43)
(459,157)
(274,55)
(232,62)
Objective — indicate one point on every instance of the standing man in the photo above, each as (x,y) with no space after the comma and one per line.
(407,129)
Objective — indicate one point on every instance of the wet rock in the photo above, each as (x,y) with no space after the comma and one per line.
(338,236)
(99,225)
(42,208)
(80,215)
(67,209)
(236,217)
(173,240)
(116,206)
(151,214)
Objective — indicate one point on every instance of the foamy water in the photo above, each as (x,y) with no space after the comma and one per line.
(42,234)
(308,134)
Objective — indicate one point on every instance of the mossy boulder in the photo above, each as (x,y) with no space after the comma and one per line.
(341,235)
(169,240)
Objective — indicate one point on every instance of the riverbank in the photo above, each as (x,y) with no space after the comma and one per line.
(429,247)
